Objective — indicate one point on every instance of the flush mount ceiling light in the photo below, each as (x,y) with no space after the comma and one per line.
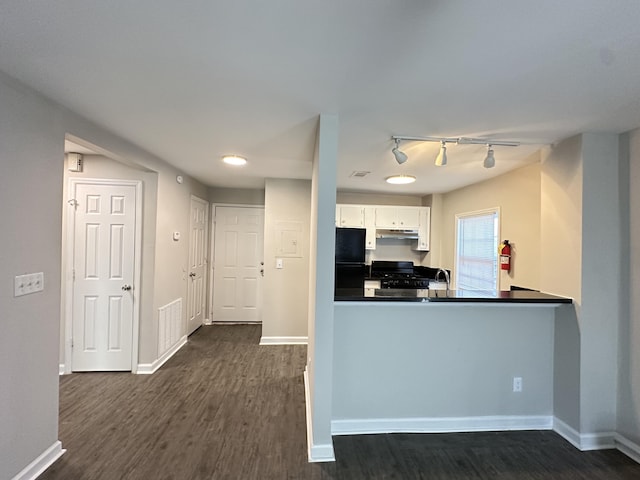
(401,157)
(401,179)
(489,160)
(441,159)
(234,160)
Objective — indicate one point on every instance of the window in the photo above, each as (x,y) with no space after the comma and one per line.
(477,250)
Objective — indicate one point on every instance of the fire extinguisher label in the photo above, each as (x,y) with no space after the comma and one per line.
(504,259)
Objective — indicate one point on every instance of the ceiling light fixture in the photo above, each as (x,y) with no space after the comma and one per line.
(441,159)
(489,160)
(234,160)
(401,157)
(401,179)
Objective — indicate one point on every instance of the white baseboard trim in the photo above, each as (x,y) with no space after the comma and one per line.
(284,340)
(440,425)
(316,453)
(629,448)
(584,441)
(234,322)
(40,464)
(61,370)
(149,368)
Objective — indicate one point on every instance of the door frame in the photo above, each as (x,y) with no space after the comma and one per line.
(212,242)
(68,267)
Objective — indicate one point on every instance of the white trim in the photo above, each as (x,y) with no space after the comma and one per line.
(40,464)
(61,369)
(149,368)
(440,425)
(584,441)
(137,255)
(316,453)
(629,448)
(284,340)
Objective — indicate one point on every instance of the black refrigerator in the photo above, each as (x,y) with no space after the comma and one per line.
(350,267)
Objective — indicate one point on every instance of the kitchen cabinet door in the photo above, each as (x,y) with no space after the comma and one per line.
(408,217)
(424,229)
(370,225)
(350,216)
(386,217)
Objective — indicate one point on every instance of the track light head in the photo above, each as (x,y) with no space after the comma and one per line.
(441,159)
(489,160)
(401,157)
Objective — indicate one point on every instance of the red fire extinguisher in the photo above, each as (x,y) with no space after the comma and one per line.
(505,256)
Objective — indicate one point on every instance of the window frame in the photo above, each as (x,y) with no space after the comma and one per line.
(476,213)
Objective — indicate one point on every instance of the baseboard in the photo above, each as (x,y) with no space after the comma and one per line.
(629,448)
(584,441)
(316,453)
(40,464)
(440,425)
(61,370)
(284,340)
(149,368)
(233,322)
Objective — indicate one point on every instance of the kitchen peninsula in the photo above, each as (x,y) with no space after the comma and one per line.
(437,361)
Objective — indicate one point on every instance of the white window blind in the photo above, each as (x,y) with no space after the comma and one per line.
(477,251)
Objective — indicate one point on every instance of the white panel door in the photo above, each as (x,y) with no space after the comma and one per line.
(238,264)
(103,263)
(197,264)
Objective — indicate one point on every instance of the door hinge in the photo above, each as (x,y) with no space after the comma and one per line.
(73,275)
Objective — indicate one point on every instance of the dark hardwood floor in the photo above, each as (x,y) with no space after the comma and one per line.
(226,408)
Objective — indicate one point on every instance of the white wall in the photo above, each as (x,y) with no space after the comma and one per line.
(517,194)
(237,196)
(321,279)
(628,421)
(286,291)
(415,360)
(32,134)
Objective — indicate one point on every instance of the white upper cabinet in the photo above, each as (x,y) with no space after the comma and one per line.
(350,216)
(398,217)
(372,217)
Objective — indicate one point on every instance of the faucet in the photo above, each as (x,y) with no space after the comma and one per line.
(446,277)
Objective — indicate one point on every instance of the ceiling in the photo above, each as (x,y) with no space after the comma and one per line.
(191,81)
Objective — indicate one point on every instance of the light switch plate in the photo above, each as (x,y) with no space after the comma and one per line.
(28,283)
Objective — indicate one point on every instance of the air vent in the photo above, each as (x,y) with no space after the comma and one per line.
(360,173)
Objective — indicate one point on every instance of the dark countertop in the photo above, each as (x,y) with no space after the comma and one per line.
(451,296)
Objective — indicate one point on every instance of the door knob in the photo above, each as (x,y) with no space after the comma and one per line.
(192,274)
(126,288)
(262,272)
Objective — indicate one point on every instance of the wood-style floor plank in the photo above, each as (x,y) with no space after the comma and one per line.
(225,407)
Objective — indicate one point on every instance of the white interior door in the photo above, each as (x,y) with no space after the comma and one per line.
(103,270)
(238,264)
(197,264)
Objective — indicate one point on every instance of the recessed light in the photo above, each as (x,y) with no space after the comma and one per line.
(234,160)
(401,179)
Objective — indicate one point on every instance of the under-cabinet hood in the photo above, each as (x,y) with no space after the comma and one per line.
(397,233)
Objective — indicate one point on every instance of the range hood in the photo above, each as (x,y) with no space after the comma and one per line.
(397,233)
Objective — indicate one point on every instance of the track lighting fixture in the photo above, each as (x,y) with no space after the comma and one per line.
(441,159)
(489,160)
(401,157)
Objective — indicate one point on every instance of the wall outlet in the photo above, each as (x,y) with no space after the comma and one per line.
(517,384)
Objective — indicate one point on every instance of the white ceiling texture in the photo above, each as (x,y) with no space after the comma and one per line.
(191,80)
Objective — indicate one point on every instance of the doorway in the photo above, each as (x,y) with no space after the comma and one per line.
(103,266)
(238,266)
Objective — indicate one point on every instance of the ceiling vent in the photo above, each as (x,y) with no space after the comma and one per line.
(360,173)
